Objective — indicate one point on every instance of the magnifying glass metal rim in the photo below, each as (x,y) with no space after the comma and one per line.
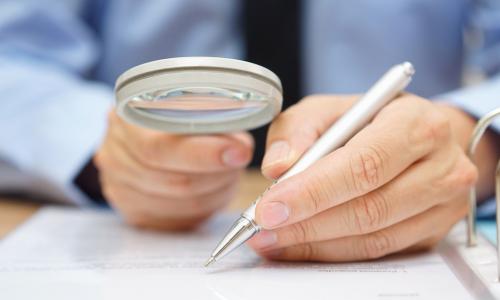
(197,62)
(230,73)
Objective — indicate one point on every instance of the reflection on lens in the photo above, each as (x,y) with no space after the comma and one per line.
(199,104)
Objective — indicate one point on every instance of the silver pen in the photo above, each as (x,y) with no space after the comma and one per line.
(384,90)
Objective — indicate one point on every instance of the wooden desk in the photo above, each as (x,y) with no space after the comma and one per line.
(14,212)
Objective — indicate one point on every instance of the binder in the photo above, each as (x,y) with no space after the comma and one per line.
(477,261)
(475,266)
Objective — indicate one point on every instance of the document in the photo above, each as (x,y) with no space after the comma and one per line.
(64,253)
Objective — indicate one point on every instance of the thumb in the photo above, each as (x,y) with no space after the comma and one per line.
(296,129)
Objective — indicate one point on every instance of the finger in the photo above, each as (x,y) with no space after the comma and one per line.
(422,186)
(166,224)
(363,165)
(185,153)
(296,129)
(434,222)
(115,160)
(425,245)
(178,185)
(137,206)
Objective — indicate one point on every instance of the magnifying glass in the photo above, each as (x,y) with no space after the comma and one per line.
(198,95)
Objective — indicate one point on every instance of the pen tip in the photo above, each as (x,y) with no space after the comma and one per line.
(210,261)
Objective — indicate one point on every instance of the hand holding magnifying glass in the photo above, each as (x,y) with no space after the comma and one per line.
(181,162)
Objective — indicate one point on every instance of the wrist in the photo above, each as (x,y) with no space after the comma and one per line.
(486,155)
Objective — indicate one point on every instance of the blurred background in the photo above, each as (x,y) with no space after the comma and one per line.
(59,61)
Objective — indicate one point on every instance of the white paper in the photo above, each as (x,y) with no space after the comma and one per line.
(86,254)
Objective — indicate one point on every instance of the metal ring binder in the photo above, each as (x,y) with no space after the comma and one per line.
(477,134)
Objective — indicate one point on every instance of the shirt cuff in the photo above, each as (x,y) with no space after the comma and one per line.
(477,100)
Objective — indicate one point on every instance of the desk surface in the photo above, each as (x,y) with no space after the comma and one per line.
(13,212)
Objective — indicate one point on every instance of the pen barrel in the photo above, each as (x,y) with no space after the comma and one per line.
(383,91)
(393,82)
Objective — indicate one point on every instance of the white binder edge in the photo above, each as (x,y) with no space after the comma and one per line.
(475,267)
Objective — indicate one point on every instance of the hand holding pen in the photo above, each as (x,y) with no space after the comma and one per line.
(398,183)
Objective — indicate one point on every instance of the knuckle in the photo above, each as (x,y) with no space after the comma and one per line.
(434,126)
(307,252)
(366,168)
(428,125)
(377,245)
(315,193)
(467,173)
(462,174)
(303,232)
(299,233)
(369,212)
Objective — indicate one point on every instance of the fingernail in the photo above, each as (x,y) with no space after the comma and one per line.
(273,214)
(265,239)
(277,152)
(234,157)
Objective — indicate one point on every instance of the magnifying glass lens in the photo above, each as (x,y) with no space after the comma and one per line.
(198,104)
(198,95)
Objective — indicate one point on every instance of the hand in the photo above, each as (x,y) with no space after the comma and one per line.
(164,181)
(399,184)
